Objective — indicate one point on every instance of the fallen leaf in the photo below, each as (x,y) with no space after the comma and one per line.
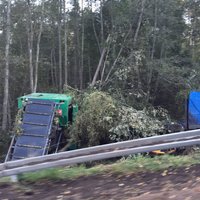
(67,192)
(146,193)
(60,197)
(140,184)
(164,173)
(172,197)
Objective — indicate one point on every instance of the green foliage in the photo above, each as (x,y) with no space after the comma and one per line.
(102,120)
(134,123)
(75,93)
(94,120)
(18,122)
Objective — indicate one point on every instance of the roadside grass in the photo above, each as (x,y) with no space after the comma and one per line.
(4,180)
(123,166)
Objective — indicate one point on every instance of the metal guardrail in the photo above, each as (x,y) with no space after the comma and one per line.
(180,139)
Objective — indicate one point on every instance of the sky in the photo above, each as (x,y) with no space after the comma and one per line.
(69,5)
(94,5)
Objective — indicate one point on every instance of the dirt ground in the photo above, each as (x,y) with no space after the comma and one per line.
(178,184)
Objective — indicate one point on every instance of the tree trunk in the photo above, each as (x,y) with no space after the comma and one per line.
(89,69)
(139,23)
(82,49)
(135,41)
(104,65)
(101,22)
(65,41)
(155,26)
(149,78)
(118,55)
(9,112)
(6,72)
(100,62)
(55,69)
(76,44)
(30,45)
(38,49)
(96,36)
(123,45)
(52,69)
(60,45)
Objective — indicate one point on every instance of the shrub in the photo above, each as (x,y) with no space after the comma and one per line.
(134,123)
(101,120)
(95,119)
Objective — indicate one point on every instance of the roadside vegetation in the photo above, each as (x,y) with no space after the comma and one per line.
(103,119)
(124,166)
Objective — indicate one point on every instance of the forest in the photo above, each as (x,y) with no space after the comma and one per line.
(141,55)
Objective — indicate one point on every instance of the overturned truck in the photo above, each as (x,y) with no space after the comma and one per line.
(44,117)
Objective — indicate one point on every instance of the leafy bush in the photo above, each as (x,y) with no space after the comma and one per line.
(101,120)
(96,117)
(134,123)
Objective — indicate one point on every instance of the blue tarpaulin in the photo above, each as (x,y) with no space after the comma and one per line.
(194,110)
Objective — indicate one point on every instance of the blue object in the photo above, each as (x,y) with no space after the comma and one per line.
(193,110)
(36,125)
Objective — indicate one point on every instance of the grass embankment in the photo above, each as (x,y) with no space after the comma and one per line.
(123,166)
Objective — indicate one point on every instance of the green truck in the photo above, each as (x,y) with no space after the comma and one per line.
(43,119)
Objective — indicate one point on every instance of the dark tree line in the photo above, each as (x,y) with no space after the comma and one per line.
(143,52)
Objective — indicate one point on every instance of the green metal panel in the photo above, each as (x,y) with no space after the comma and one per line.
(62,99)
